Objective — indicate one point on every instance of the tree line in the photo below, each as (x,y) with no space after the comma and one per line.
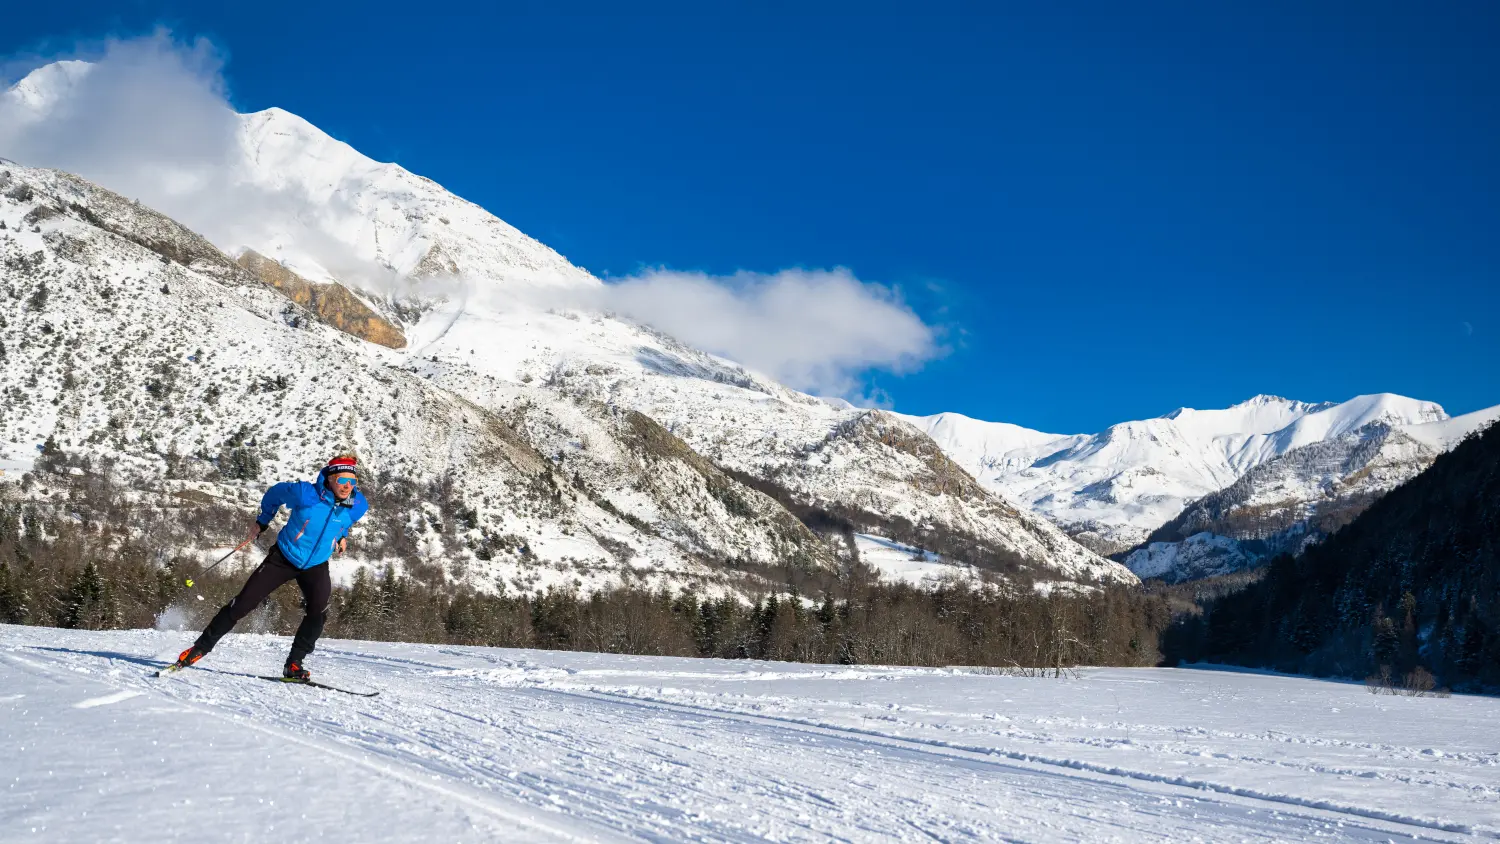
(92,557)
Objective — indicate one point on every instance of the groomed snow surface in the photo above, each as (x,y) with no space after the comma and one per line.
(505,745)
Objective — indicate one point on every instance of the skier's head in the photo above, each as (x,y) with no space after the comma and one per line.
(340,476)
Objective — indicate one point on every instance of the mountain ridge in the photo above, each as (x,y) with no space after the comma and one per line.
(1116,490)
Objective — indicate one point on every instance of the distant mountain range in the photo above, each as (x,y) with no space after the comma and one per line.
(1210,491)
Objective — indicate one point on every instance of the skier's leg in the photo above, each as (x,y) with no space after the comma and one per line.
(316,588)
(271,573)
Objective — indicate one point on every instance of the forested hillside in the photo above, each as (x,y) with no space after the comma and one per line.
(1413,583)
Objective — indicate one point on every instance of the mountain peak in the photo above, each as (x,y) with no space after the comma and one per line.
(1256,402)
(1266,398)
(45,86)
(279,121)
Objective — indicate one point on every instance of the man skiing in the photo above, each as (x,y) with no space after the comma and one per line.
(322,514)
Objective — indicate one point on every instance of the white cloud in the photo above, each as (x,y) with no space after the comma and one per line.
(148,119)
(814,330)
(151,120)
(819,331)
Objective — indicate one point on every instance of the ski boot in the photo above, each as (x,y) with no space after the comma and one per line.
(294,672)
(184,659)
(189,656)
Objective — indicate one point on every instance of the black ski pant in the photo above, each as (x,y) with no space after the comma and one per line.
(273,572)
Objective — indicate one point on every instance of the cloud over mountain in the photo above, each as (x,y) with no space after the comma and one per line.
(813,330)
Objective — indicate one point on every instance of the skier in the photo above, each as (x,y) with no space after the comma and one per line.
(322,514)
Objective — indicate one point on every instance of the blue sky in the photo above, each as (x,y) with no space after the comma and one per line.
(1108,212)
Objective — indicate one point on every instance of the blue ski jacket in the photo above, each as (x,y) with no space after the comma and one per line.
(318,522)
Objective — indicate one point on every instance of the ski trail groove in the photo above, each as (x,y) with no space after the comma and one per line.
(945,748)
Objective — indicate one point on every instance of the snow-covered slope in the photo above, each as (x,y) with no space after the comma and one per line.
(484,744)
(1198,556)
(491,316)
(129,339)
(866,466)
(1113,488)
(1444,434)
(392,218)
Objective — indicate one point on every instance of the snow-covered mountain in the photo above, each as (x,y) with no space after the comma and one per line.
(1281,462)
(1298,498)
(650,443)
(328,213)
(133,343)
(392,218)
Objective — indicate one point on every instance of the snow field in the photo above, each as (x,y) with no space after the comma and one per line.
(493,744)
(906,564)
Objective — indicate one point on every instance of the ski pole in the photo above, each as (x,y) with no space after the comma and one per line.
(188,582)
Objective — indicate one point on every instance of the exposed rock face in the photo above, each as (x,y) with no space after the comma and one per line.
(435,262)
(332,303)
(1200,555)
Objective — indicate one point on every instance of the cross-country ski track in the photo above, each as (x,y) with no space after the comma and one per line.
(509,745)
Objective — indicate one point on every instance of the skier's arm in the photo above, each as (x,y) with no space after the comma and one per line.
(279,494)
(361,506)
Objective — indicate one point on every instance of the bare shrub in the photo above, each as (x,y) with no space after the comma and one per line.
(1418,682)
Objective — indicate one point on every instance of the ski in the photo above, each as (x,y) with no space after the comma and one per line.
(273,678)
(314,684)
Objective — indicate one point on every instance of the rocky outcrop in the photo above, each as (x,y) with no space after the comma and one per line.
(435,262)
(331,303)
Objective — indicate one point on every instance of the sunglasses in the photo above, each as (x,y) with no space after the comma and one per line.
(345,481)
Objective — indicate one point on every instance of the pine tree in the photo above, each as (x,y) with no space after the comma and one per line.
(1387,640)
(89,603)
(14,602)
